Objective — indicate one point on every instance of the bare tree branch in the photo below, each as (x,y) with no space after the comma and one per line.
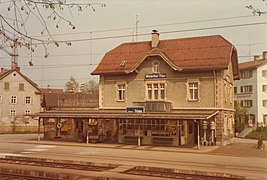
(24,11)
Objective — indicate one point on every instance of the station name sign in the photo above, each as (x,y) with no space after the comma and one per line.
(151,76)
(135,109)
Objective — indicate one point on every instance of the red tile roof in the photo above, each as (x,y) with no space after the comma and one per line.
(252,64)
(197,53)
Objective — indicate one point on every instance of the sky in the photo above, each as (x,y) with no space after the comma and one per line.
(97,32)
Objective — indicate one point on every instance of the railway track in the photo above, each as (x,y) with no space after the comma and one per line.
(169,173)
(8,176)
(89,166)
(56,164)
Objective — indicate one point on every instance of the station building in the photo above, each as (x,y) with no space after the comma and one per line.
(176,92)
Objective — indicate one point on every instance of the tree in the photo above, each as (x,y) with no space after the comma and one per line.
(256,11)
(72,86)
(91,86)
(240,113)
(17,17)
(239,110)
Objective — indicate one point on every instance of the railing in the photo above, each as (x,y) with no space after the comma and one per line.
(155,106)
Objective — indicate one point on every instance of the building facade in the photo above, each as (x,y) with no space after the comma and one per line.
(251,91)
(172,92)
(19,98)
(176,92)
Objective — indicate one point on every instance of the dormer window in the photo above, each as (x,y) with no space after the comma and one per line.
(122,64)
(155,67)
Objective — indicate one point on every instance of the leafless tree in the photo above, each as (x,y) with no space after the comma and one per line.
(256,11)
(18,16)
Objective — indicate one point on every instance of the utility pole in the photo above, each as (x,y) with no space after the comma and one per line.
(14,54)
(136,26)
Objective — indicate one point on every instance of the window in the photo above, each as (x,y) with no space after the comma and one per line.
(235,90)
(27,100)
(121,92)
(246,103)
(246,89)
(264,73)
(27,111)
(6,86)
(1,99)
(156,67)
(21,87)
(13,100)
(193,91)
(264,88)
(264,103)
(156,91)
(246,74)
(225,124)
(12,112)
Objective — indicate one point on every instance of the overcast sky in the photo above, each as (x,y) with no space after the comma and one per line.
(172,18)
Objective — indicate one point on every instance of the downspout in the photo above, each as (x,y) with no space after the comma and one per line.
(215,98)
(215,88)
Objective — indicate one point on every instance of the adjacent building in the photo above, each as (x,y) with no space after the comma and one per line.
(19,98)
(251,90)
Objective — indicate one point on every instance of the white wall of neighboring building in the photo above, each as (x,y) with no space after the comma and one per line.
(248,96)
(261,95)
(257,95)
(14,79)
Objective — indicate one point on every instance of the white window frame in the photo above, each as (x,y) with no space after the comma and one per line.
(246,89)
(13,112)
(13,99)
(27,100)
(156,91)
(191,90)
(27,112)
(246,74)
(121,92)
(247,103)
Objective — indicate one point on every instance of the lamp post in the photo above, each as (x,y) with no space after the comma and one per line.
(212,127)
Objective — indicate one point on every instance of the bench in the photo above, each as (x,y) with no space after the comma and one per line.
(131,139)
(162,140)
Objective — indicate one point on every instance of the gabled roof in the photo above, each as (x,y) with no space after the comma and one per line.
(8,72)
(252,64)
(187,54)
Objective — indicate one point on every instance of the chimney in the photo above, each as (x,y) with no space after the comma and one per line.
(264,55)
(155,38)
(257,57)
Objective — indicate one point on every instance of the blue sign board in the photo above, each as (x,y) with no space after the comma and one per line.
(135,109)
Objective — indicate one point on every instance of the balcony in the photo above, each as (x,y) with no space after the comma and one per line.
(155,106)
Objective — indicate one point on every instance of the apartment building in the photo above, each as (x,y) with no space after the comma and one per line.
(251,90)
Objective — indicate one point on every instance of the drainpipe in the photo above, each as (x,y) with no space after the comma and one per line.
(38,137)
(215,88)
